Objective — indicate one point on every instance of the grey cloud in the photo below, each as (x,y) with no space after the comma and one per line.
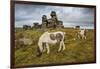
(25,13)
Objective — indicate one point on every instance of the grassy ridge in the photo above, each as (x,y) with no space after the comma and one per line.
(78,50)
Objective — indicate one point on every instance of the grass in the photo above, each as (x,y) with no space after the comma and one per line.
(77,51)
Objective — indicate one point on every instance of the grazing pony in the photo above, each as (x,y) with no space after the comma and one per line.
(82,34)
(50,38)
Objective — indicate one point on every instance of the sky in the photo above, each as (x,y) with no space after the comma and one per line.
(27,14)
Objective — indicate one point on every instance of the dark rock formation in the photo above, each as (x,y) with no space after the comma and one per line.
(52,22)
(26,27)
(77,27)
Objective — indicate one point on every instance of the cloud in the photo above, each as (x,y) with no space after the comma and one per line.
(28,14)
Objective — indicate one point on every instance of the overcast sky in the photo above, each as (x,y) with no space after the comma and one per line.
(71,16)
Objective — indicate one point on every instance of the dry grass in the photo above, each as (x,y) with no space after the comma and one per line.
(77,51)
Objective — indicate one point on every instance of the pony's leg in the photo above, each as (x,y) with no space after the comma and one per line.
(48,50)
(79,36)
(84,37)
(44,49)
(63,45)
(60,46)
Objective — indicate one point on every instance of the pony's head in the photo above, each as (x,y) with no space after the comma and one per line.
(39,52)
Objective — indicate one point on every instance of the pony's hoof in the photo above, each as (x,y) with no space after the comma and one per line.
(58,51)
(38,55)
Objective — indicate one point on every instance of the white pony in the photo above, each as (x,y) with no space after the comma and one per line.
(82,34)
(50,38)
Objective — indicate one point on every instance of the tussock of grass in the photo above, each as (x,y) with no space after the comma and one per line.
(78,50)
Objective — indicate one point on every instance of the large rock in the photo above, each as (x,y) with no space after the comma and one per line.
(52,22)
(22,42)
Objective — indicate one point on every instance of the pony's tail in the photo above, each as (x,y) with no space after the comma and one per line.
(39,49)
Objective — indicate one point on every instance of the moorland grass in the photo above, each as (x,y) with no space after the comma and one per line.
(77,51)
